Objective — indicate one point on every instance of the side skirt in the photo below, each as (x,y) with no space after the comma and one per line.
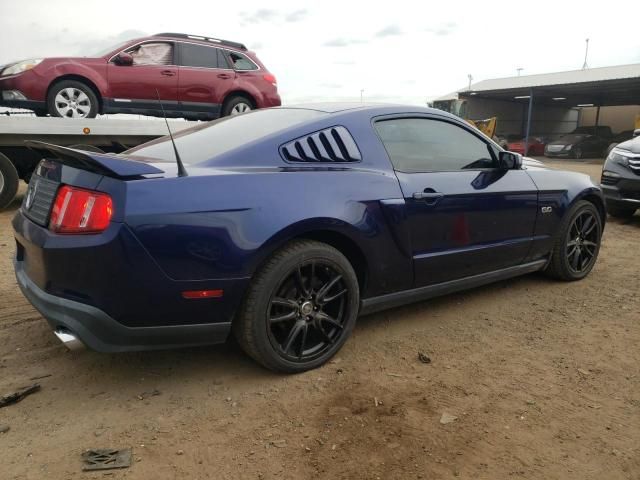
(396,299)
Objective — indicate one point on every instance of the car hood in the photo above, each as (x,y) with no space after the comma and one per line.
(632,145)
(532,163)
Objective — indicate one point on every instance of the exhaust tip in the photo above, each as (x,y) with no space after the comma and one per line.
(69,339)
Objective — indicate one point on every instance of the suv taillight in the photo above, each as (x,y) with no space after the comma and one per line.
(77,210)
(269,77)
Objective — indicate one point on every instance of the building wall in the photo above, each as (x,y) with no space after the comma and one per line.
(618,118)
(512,117)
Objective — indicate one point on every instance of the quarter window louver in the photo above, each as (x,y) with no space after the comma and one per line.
(333,144)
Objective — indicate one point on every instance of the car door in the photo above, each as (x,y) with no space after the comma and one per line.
(466,215)
(152,74)
(205,77)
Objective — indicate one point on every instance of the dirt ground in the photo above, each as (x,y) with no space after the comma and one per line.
(543,377)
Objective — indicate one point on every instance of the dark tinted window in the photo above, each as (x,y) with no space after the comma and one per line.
(205,141)
(240,62)
(192,55)
(423,145)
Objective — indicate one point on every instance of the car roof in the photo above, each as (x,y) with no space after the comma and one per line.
(370,107)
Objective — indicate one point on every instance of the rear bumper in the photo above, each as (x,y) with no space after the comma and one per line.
(102,333)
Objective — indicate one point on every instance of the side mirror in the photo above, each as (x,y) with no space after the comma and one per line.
(123,59)
(636,132)
(510,160)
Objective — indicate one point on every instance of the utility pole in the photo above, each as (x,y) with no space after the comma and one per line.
(361,92)
(519,69)
(586,52)
(470,77)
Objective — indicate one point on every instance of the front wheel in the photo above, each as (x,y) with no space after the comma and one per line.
(576,153)
(72,99)
(577,243)
(300,308)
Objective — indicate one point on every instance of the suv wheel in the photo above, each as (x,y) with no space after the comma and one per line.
(577,244)
(237,105)
(300,308)
(72,99)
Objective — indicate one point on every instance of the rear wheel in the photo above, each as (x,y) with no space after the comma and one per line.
(577,243)
(236,105)
(620,212)
(300,308)
(72,99)
(9,181)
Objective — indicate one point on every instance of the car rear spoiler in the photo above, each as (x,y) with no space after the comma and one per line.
(102,163)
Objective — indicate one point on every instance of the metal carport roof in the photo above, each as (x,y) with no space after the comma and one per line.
(605,86)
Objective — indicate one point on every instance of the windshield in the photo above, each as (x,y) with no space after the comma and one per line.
(207,140)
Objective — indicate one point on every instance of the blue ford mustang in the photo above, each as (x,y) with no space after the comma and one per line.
(285,225)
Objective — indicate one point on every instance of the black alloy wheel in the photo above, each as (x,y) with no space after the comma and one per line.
(300,307)
(307,312)
(583,242)
(577,242)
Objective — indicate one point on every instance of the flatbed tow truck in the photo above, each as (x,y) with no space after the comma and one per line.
(102,134)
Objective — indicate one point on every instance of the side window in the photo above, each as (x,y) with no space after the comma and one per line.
(192,55)
(425,145)
(158,53)
(240,62)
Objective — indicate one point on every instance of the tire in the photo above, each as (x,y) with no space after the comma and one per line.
(237,104)
(288,335)
(87,148)
(618,212)
(79,98)
(572,242)
(576,152)
(9,181)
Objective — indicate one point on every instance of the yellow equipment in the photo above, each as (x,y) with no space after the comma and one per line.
(486,126)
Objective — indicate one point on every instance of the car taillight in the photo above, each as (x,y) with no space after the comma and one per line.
(271,79)
(77,210)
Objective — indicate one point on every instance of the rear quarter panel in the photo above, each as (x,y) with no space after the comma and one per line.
(227,224)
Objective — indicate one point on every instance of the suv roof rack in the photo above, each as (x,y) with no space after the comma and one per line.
(202,38)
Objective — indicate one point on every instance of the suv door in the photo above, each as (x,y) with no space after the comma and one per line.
(205,78)
(466,215)
(134,86)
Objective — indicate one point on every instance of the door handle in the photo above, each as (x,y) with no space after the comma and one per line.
(224,75)
(431,198)
(167,73)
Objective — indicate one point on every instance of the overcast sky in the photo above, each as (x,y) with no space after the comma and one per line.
(402,51)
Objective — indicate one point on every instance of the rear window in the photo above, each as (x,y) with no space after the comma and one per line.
(206,140)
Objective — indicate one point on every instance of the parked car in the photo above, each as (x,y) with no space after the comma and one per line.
(582,142)
(284,225)
(620,180)
(619,138)
(536,146)
(195,77)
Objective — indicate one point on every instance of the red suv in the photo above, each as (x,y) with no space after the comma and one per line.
(196,77)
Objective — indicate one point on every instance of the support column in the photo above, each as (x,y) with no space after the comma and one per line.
(528,130)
